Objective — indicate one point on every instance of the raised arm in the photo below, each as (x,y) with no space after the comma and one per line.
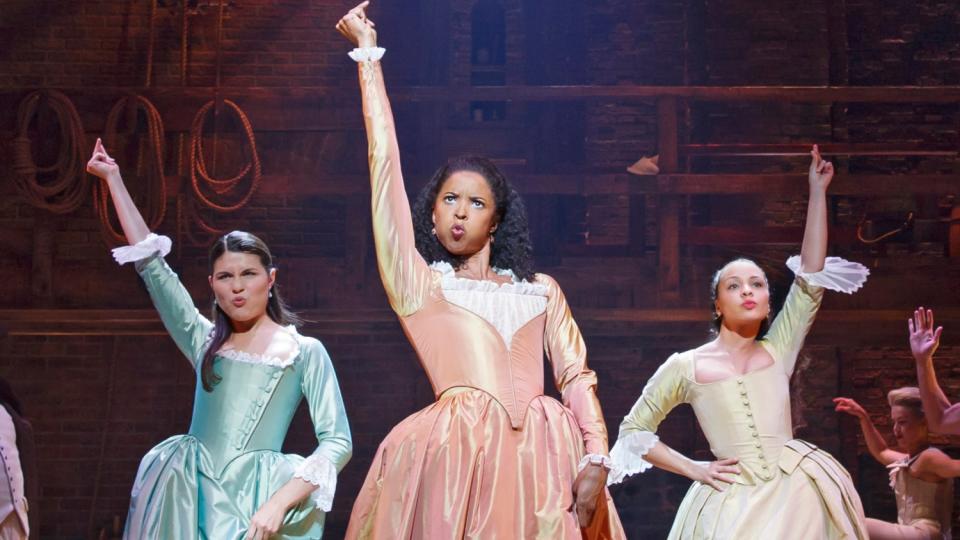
(405,275)
(814,250)
(942,416)
(186,326)
(104,167)
(875,444)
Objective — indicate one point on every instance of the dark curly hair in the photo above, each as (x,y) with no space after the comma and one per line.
(511,250)
(717,321)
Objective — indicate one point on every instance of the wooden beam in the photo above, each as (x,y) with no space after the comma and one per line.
(323,98)
(872,327)
(609,183)
(751,235)
(668,205)
(827,149)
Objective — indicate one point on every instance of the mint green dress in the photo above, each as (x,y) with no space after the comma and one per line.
(208,483)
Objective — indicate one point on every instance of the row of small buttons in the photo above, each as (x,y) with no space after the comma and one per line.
(753,427)
(255,409)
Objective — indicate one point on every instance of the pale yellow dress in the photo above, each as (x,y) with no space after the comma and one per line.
(787,488)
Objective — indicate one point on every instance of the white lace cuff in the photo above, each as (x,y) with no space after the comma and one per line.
(595,459)
(838,274)
(320,472)
(367,54)
(150,245)
(627,455)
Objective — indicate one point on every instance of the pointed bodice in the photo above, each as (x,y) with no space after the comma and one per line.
(482,335)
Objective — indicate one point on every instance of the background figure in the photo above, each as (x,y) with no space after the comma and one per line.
(493,457)
(921,476)
(764,484)
(227,478)
(19,484)
(942,416)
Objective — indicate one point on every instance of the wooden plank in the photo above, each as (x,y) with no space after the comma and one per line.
(605,183)
(751,235)
(326,100)
(796,184)
(872,327)
(827,149)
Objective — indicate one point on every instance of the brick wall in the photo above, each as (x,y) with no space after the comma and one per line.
(99,402)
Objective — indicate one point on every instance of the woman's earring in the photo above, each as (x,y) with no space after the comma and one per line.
(433,231)
(270,294)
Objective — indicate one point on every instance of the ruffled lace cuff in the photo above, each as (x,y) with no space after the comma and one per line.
(367,54)
(320,472)
(627,455)
(147,247)
(838,274)
(595,459)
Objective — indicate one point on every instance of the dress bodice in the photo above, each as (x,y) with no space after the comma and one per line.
(746,417)
(495,333)
(920,500)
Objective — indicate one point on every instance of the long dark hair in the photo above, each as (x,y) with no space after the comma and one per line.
(277,310)
(511,250)
(716,322)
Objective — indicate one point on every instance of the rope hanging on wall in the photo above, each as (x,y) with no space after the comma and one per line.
(149,167)
(198,165)
(65,193)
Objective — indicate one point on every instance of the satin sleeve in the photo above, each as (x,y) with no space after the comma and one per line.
(790,327)
(663,392)
(334,442)
(188,328)
(568,356)
(405,275)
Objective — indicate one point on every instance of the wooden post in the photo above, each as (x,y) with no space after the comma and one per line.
(668,206)
(954,235)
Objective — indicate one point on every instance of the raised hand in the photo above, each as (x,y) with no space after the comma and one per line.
(101,164)
(356,27)
(924,340)
(821,170)
(849,406)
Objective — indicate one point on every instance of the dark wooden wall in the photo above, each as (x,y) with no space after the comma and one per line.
(584,89)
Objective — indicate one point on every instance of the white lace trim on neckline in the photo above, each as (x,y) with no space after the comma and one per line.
(838,274)
(626,456)
(505,306)
(263,359)
(515,286)
(320,472)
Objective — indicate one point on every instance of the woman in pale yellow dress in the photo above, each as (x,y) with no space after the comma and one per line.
(493,457)
(765,484)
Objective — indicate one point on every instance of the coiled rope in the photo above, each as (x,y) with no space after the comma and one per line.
(65,193)
(149,164)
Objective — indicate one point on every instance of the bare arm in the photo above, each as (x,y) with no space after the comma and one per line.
(935,462)
(711,473)
(875,443)
(942,416)
(814,250)
(104,167)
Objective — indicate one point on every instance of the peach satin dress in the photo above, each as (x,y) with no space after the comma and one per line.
(492,458)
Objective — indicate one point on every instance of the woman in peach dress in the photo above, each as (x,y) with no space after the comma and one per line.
(493,457)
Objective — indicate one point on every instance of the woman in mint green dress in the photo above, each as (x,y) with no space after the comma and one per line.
(226,478)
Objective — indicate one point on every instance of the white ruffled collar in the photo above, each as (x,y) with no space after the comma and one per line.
(236,355)
(450,282)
